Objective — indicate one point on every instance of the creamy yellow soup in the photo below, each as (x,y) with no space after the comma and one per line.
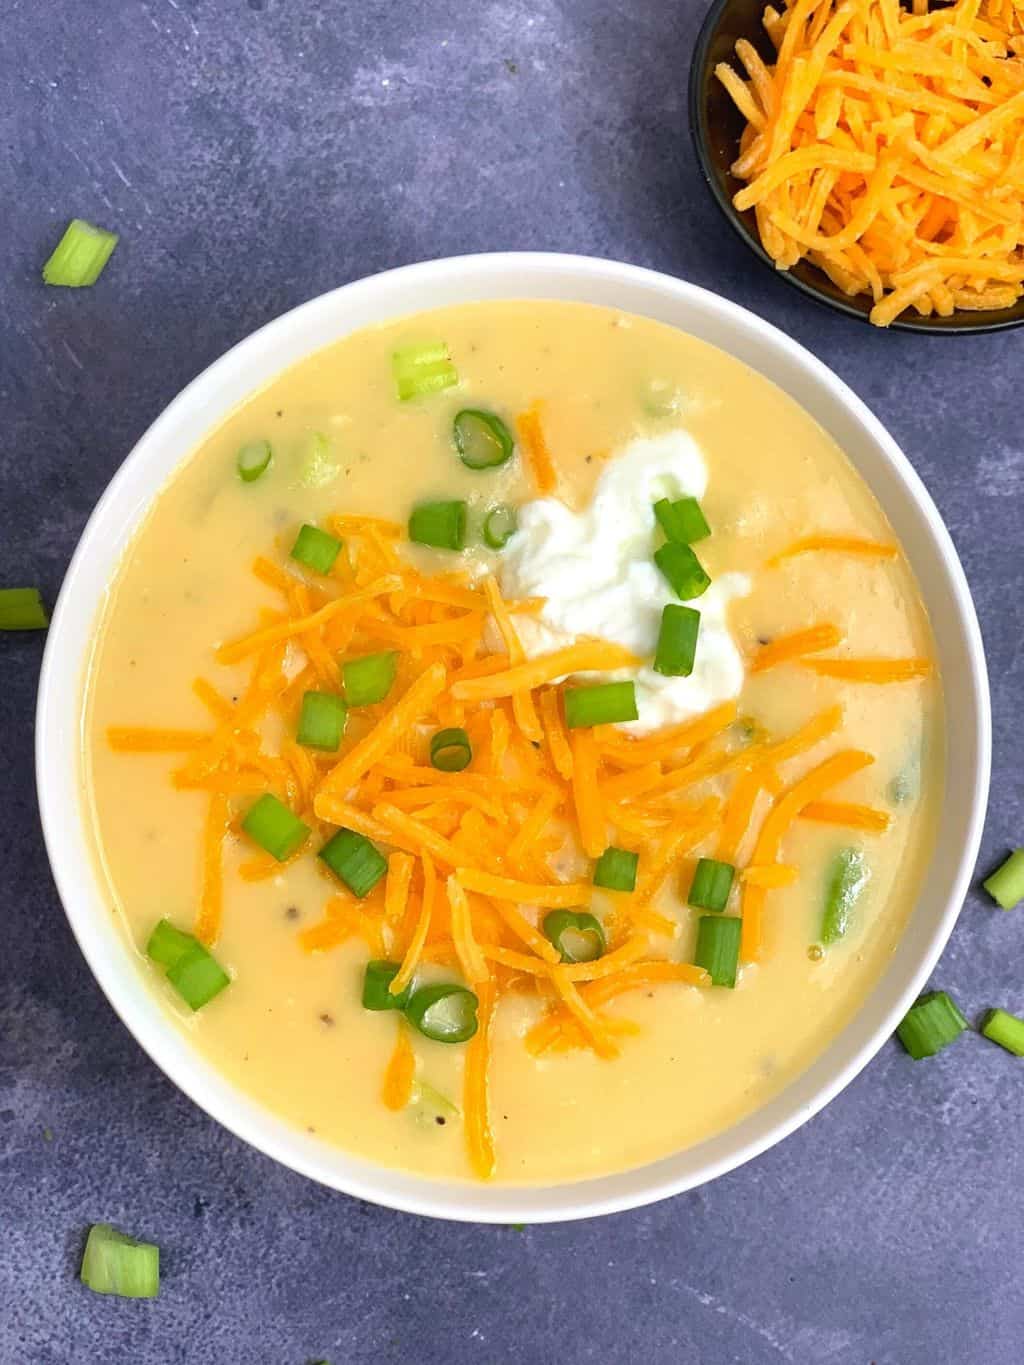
(690,1059)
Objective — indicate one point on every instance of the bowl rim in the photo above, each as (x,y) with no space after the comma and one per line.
(63,801)
(698,133)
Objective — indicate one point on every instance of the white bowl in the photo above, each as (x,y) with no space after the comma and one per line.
(249,366)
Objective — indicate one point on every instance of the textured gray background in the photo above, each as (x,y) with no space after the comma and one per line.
(253,155)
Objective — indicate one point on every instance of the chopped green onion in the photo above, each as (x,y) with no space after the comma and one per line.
(1005,1029)
(847,878)
(930,1025)
(682,569)
(682,520)
(322,721)
(906,785)
(712,882)
(276,829)
(660,398)
(114,1263)
(500,525)
(677,641)
(22,609)
(354,860)
(80,255)
(482,439)
(431,1107)
(377,981)
(602,704)
(1006,884)
(369,679)
(444,1013)
(168,945)
(718,947)
(616,869)
(316,549)
(197,976)
(317,466)
(253,460)
(422,369)
(577,935)
(440,524)
(451,751)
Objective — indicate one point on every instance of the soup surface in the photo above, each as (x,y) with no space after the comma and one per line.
(810,763)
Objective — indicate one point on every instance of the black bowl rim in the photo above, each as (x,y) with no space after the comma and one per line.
(698,133)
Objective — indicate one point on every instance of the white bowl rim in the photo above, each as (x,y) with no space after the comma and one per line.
(65,821)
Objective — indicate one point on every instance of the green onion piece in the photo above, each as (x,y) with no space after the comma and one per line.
(377,987)
(682,569)
(369,679)
(577,935)
(444,1013)
(422,369)
(276,829)
(322,721)
(253,460)
(660,398)
(451,751)
(906,785)
(602,704)
(354,860)
(482,439)
(22,609)
(168,945)
(718,947)
(317,466)
(316,549)
(712,882)
(677,641)
(1005,1029)
(80,255)
(682,520)
(115,1263)
(197,976)
(500,525)
(616,869)
(847,878)
(441,524)
(930,1025)
(431,1107)
(1006,884)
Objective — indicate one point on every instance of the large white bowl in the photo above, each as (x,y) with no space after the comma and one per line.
(249,366)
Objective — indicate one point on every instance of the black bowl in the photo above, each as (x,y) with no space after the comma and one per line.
(716,125)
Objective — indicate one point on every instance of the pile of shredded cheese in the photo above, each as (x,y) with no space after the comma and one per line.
(886,146)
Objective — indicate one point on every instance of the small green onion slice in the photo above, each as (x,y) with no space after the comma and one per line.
(22,609)
(322,721)
(167,944)
(377,993)
(682,569)
(253,460)
(1005,1029)
(577,935)
(369,679)
(482,439)
(423,369)
(677,641)
(848,875)
(316,549)
(80,255)
(682,520)
(712,882)
(500,525)
(197,976)
(445,1013)
(354,861)
(450,750)
(440,524)
(930,1025)
(1006,884)
(114,1263)
(276,829)
(616,869)
(317,466)
(718,947)
(602,704)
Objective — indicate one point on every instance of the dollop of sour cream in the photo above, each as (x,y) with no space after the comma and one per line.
(595,570)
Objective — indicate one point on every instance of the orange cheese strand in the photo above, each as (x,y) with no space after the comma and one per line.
(846,545)
(561,897)
(479,1138)
(629,752)
(396,1091)
(145,739)
(235,650)
(588,656)
(738,809)
(847,813)
(586,794)
(396,886)
(537,457)
(554,731)
(471,959)
(870,670)
(211,901)
(522,702)
(788,647)
(770,875)
(593,1029)
(411,959)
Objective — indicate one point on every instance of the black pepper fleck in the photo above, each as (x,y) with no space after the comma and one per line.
(292,912)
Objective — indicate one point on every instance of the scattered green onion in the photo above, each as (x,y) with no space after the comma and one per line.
(682,569)
(602,704)
(906,785)
(316,549)
(22,609)
(276,829)
(444,1013)
(197,976)
(718,947)
(253,460)
(616,869)
(1006,884)
(482,439)
(682,520)
(430,1107)
(369,679)
(1005,1029)
(930,1025)
(712,882)
(377,981)
(80,255)
(677,641)
(167,945)
(114,1263)
(322,721)
(354,860)
(440,524)
(317,466)
(422,369)
(847,878)
(450,750)
(577,935)
(660,398)
(500,525)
